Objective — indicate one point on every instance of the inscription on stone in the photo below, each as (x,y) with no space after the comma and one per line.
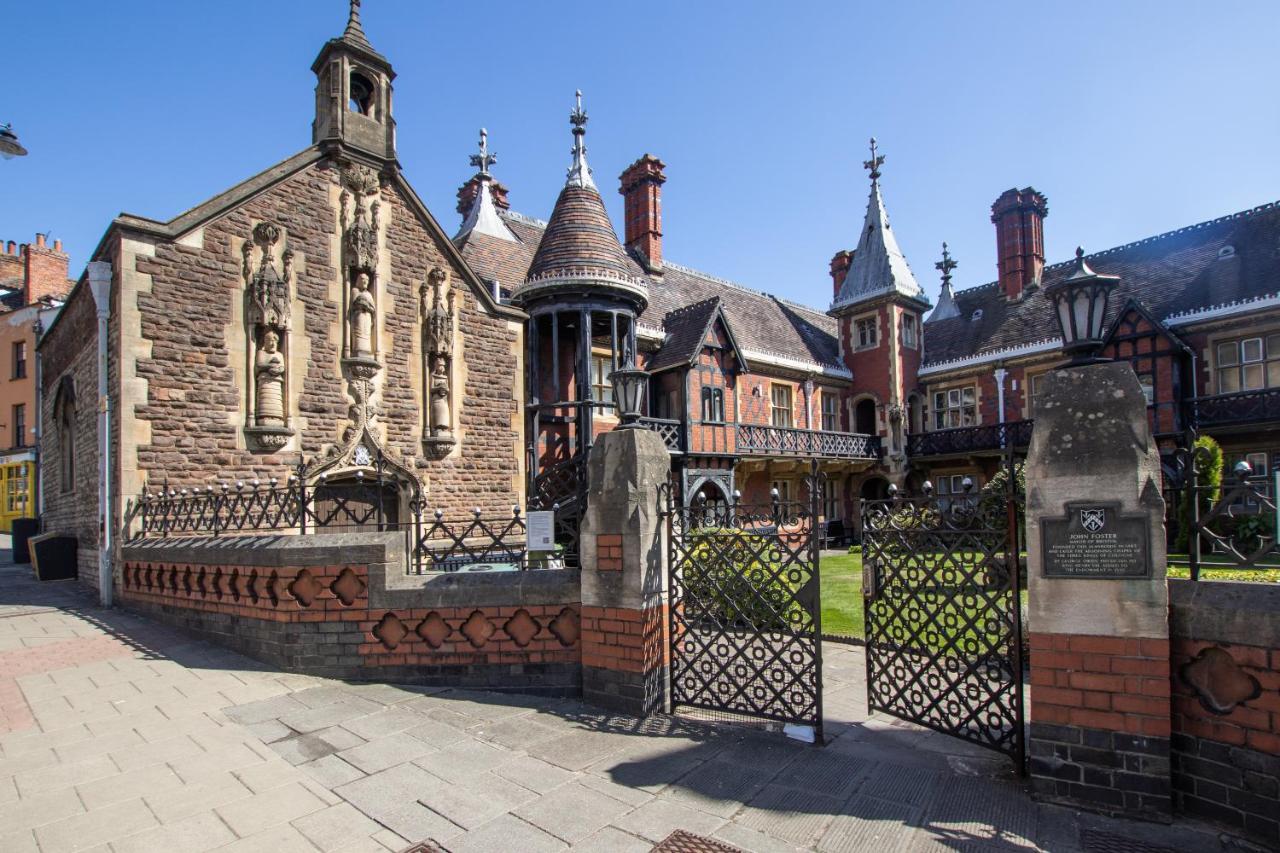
(1095,541)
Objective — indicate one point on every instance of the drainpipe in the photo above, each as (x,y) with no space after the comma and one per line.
(100,285)
(1000,374)
(37,329)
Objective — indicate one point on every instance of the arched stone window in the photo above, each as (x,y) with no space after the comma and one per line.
(362,92)
(64,413)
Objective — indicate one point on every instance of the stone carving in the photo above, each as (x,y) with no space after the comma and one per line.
(361,315)
(1219,682)
(268,321)
(437,307)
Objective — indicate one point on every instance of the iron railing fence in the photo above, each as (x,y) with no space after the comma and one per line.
(762,440)
(1231,525)
(1243,407)
(435,541)
(998,437)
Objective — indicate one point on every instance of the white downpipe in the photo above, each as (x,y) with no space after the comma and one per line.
(100,284)
(1000,374)
(37,328)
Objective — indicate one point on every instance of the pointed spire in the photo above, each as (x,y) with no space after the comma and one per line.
(878,268)
(483,217)
(946,308)
(354,31)
(579,172)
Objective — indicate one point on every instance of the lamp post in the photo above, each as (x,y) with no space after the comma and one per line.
(10,147)
(1080,304)
(628,393)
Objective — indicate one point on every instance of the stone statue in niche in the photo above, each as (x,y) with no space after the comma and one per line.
(267,321)
(361,315)
(437,307)
(269,373)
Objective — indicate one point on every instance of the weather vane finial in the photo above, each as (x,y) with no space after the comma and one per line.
(946,265)
(874,163)
(579,172)
(484,159)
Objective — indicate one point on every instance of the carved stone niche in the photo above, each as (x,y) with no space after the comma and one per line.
(267,326)
(359,210)
(436,302)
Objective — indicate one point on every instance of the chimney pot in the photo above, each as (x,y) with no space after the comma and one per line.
(57,245)
(11,248)
(40,240)
(1019,215)
(641,187)
(840,263)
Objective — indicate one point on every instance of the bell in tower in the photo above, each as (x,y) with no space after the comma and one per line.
(353,94)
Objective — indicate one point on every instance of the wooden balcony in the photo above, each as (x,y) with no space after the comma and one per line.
(671,431)
(757,440)
(1239,409)
(982,440)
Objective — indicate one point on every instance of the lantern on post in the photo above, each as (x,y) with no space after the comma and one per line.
(628,394)
(1080,305)
(10,147)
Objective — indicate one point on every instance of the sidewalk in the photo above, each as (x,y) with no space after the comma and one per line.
(120,735)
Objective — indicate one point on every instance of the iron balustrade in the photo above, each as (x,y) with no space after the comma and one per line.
(671,432)
(1231,525)
(1011,434)
(760,440)
(434,542)
(1244,407)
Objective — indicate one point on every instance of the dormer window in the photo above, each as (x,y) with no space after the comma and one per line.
(1226,252)
(361,95)
(977,314)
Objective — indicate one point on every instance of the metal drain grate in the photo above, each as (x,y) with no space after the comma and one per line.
(1104,842)
(686,842)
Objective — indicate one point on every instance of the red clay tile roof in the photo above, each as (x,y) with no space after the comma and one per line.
(1180,271)
(579,236)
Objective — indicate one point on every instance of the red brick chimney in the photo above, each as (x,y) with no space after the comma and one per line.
(642,210)
(468,191)
(840,263)
(45,270)
(1019,219)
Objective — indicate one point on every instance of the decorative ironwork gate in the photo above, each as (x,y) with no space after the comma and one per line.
(941,591)
(744,608)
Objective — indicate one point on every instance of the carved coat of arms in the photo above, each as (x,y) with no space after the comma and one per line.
(1093,519)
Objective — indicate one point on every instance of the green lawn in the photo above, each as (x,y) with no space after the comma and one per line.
(842,595)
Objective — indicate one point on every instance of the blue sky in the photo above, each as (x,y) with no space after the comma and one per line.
(1133,118)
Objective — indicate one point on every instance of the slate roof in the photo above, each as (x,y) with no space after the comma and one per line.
(1224,260)
(878,267)
(686,329)
(761,323)
(579,236)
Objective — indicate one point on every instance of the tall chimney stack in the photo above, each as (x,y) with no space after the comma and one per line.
(44,270)
(1019,215)
(642,210)
(840,263)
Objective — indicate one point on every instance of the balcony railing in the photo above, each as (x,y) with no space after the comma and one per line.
(783,441)
(970,439)
(1245,407)
(671,431)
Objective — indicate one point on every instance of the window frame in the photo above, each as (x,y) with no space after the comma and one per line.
(1239,364)
(946,414)
(869,322)
(831,416)
(788,410)
(19,415)
(602,390)
(912,340)
(19,354)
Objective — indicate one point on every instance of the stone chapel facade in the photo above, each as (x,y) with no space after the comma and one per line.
(314,320)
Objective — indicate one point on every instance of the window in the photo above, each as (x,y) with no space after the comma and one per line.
(866,332)
(830,411)
(19,359)
(1258,480)
(910,338)
(1034,384)
(832,503)
(950,487)
(64,409)
(361,95)
(1148,383)
(780,398)
(16,486)
(1248,364)
(601,387)
(955,407)
(783,488)
(712,404)
(19,425)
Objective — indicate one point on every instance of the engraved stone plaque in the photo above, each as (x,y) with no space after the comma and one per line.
(1095,540)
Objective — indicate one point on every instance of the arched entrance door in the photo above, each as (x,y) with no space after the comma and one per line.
(874,489)
(354,504)
(864,417)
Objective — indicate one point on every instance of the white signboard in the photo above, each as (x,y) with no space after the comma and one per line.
(541,530)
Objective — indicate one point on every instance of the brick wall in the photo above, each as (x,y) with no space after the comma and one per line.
(623,651)
(1226,703)
(1100,721)
(324,619)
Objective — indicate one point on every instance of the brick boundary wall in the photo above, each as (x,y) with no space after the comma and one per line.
(1226,711)
(342,621)
(1100,721)
(624,656)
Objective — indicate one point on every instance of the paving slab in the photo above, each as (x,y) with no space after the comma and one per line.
(262,811)
(390,797)
(100,826)
(331,771)
(384,752)
(613,840)
(656,819)
(505,835)
(337,828)
(200,832)
(572,812)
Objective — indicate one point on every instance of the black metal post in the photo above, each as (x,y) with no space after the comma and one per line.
(1013,562)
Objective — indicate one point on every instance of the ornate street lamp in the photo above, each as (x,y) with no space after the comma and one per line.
(628,393)
(1080,304)
(10,147)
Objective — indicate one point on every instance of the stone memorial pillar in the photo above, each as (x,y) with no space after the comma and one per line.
(624,574)
(1099,605)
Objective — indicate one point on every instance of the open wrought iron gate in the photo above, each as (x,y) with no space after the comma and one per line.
(745,620)
(941,592)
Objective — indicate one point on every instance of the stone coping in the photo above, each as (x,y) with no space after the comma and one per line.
(1225,611)
(390,586)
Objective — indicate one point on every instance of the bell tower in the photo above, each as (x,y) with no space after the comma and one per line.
(353,94)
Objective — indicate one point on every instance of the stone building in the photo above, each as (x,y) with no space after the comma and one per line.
(313,319)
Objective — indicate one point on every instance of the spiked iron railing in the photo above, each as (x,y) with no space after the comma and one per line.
(989,437)
(760,440)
